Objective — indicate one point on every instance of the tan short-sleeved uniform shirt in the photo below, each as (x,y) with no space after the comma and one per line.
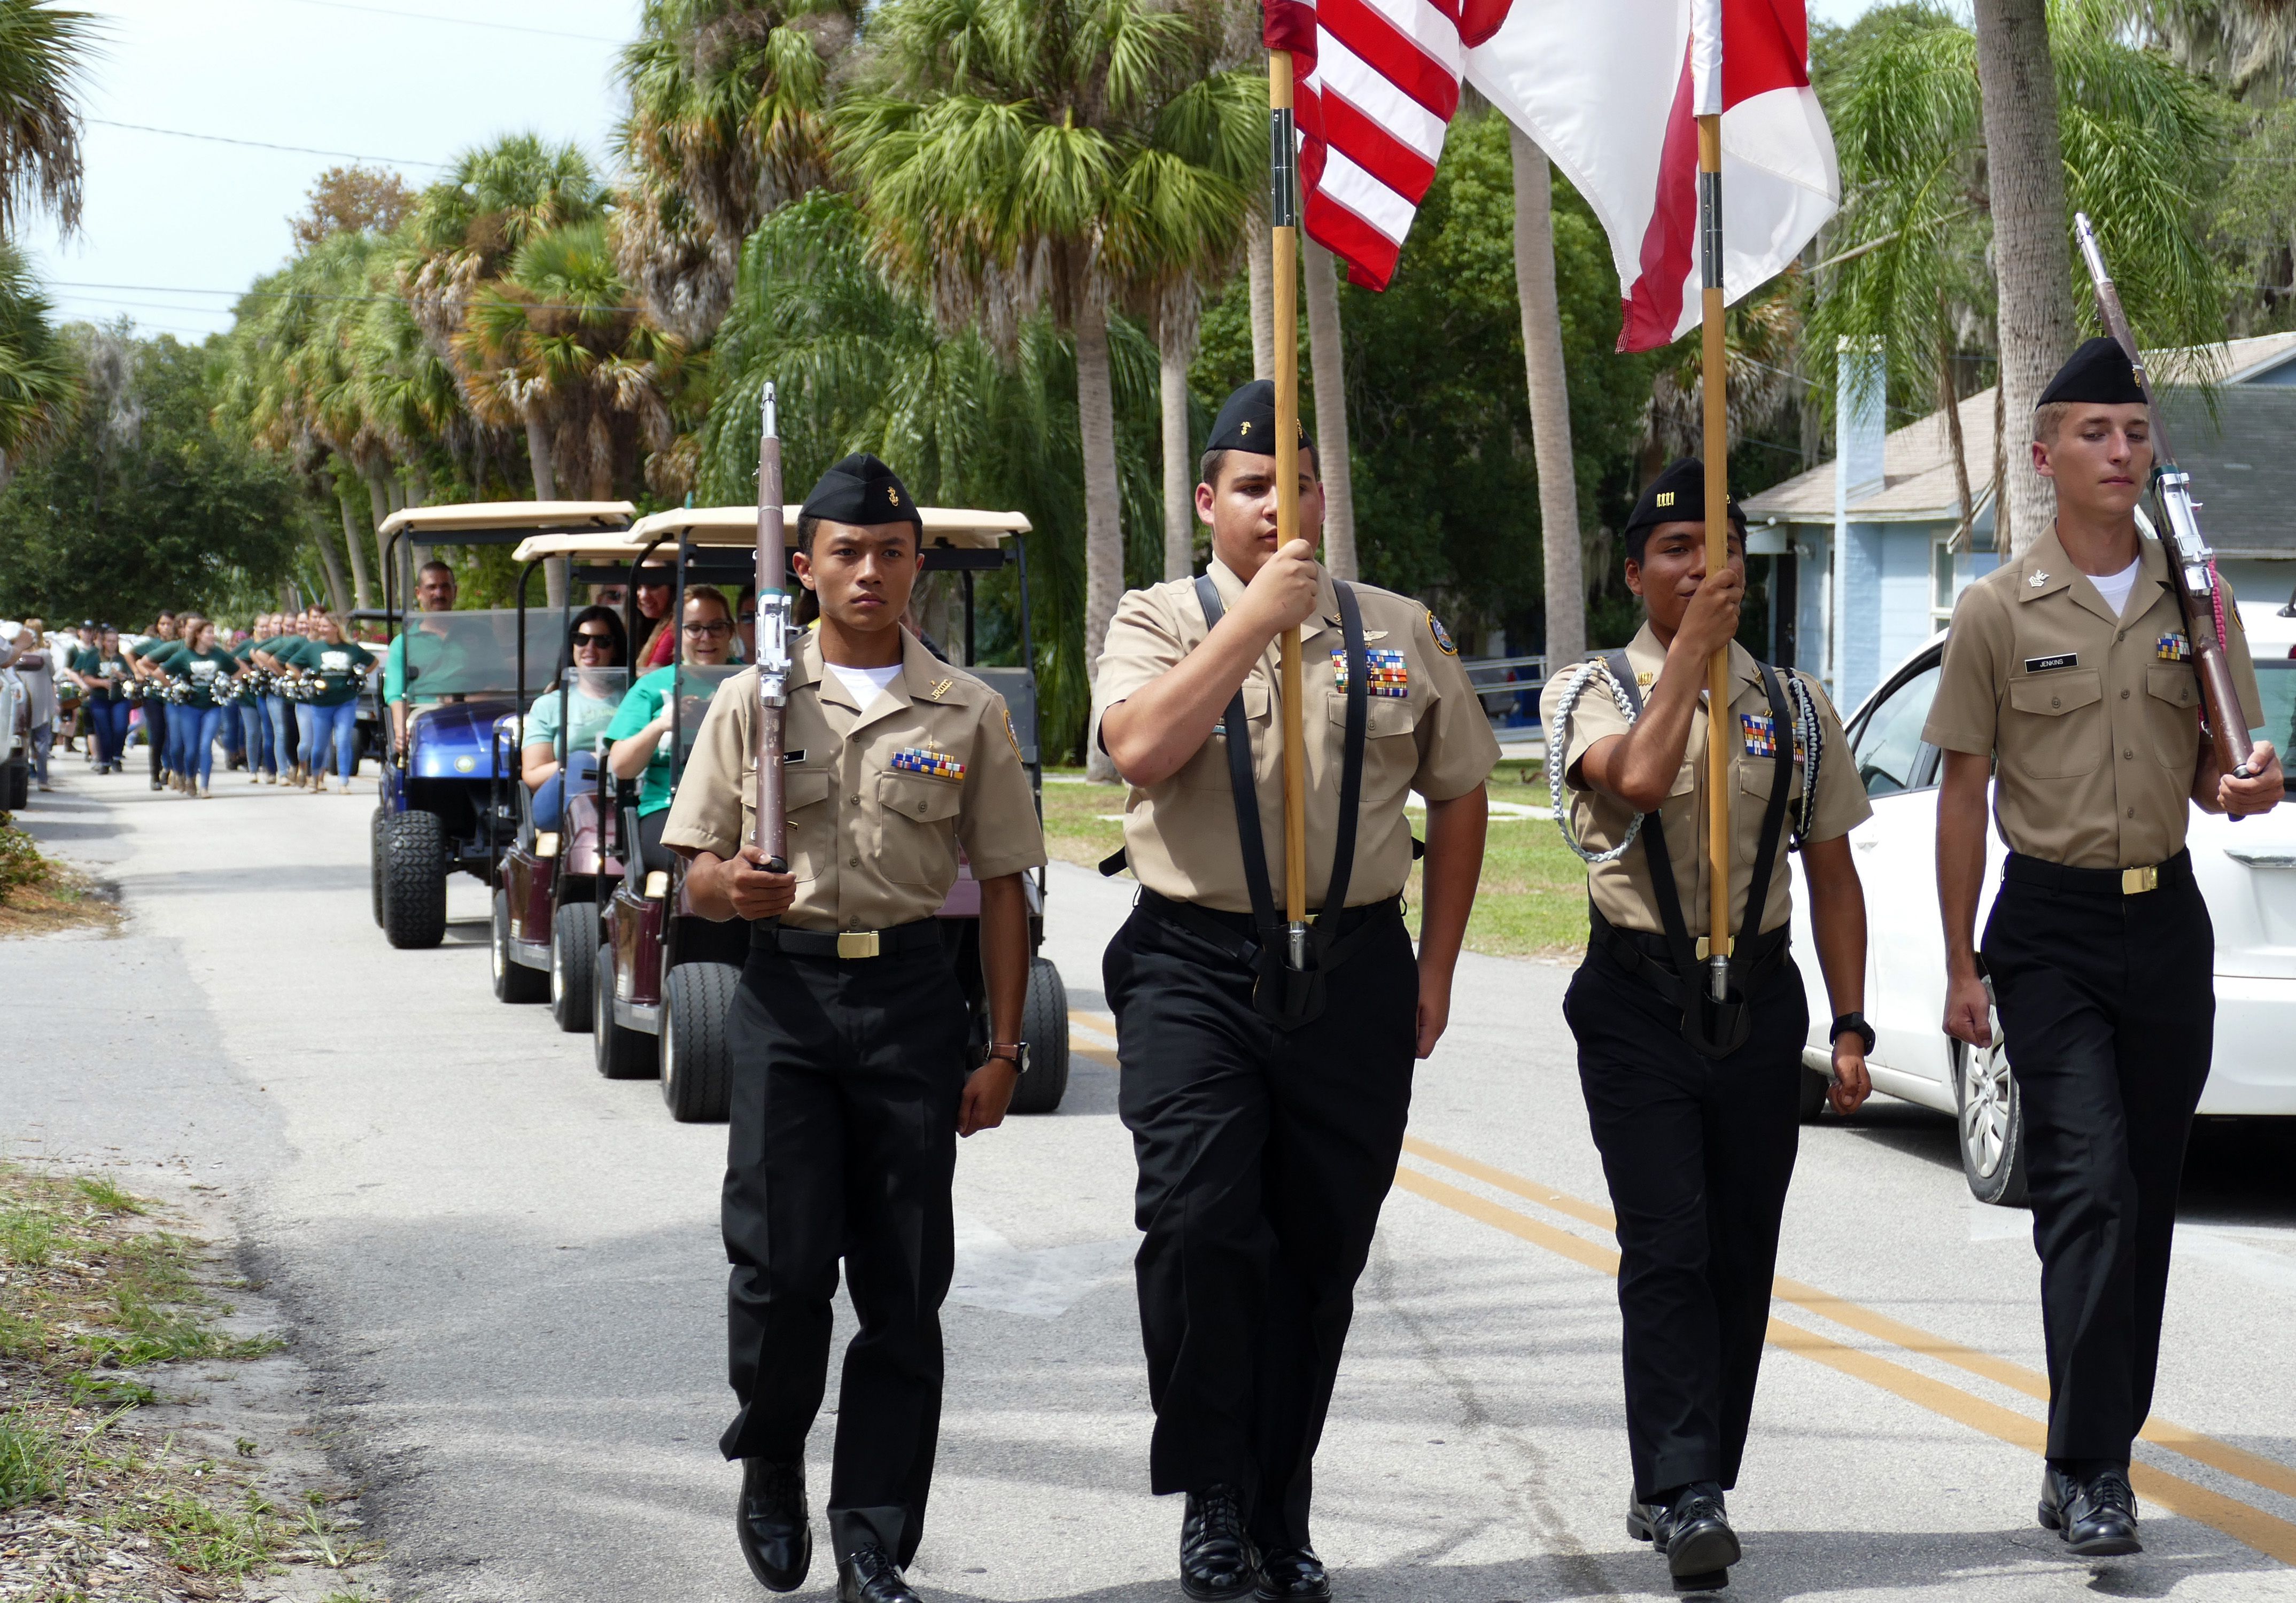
(1621,888)
(2094,719)
(879,798)
(1425,731)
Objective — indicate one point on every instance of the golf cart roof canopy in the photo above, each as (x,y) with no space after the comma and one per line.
(508,517)
(612,544)
(738,526)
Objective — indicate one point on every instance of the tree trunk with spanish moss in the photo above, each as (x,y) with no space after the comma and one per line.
(2032,259)
(339,599)
(1172,352)
(354,542)
(1260,267)
(1549,387)
(1327,362)
(1104,524)
(545,488)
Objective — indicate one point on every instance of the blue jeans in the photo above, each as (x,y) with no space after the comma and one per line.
(255,734)
(274,712)
(331,726)
(176,738)
(550,797)
(108,720)
(201,722)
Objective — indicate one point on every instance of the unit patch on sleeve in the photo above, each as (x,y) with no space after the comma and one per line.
(2173,647)
(1761,734)
(1443,641)
(1390,672)
(919,760)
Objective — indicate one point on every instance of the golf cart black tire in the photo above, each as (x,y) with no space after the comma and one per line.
(414,881)
(619,1054)
(2006,1185)
(18,785)
(1812,1094)
(375,853)
(1045,1027)
(697,1058)
(573,965)
(514,982)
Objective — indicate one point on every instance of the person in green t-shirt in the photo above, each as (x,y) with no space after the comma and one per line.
(284,714)
(434,589)
(336,667)
(254,716)
(156,735)
(641,728)
(103,671)
(206,670)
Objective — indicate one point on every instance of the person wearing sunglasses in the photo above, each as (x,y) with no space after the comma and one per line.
(640,749)
(586,695)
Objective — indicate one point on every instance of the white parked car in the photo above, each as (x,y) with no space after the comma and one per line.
(2247,873)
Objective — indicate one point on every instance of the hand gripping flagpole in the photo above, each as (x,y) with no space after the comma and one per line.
(1283,221)
(1706,47)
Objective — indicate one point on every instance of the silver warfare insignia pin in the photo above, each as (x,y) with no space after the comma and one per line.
(2038,579)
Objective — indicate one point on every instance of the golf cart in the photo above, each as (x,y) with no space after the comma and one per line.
(664,971)
(544,929)
(446,803)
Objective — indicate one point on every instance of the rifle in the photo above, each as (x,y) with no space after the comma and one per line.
(2191,570)
(774,636)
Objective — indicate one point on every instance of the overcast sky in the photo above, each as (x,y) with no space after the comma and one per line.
(176,226)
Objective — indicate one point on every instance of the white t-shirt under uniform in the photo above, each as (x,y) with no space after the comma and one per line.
(865,685)
(2114,587)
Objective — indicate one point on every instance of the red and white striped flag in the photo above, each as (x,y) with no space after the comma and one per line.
(1373,84)
(1611,90)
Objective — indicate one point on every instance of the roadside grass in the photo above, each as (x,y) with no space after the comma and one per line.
(39,895)
(1531,901)
(94,1301)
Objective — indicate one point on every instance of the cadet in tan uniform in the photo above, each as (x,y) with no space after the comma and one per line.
(1266,1115)
(2068,675)
(1698,1116)
(849,1033)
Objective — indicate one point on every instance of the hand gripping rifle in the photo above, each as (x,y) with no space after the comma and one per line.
(2192,572)
(774,649)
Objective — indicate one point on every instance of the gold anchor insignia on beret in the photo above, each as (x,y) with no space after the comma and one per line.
(941,687)
(892,495)
(1243,429)
(2040,578)
(1665,498)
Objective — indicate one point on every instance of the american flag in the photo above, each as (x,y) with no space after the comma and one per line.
(1375,82)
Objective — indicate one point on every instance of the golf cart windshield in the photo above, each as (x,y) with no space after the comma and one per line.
(696,684)
(583,703)
(474,653)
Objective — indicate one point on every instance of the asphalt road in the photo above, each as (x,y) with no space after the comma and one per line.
(506,1272)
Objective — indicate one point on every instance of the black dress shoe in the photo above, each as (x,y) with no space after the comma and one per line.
(1642,1519)
(776,1535)
(1292,1576)
(2096,1515)
(870,1576)
(1693,1531)
(1216,1562)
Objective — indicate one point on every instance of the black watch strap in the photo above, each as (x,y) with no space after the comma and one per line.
(1848,1022)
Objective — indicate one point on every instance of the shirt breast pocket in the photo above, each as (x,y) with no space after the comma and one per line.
(2057,730)
(2172,700)
(810,835)
(1208,769)
(916,828)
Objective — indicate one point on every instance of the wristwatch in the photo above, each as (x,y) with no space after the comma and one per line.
(1015,1052)
(1848,1022)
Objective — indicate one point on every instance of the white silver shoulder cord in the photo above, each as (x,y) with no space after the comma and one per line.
(1807,728)
(1558,742)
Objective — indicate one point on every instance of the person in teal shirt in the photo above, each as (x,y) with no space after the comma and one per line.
(103,668)
(589,692)
(640,728)
(434,590)
(207,670)
(337,666)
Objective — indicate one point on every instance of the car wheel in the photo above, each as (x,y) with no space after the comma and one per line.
(1991,1122)
(620,1054)
(514,982)
(573,965)
(1045,1027)
(697,1063)
(414,881)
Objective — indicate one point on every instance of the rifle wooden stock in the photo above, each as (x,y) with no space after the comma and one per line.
(772,649)
(2191,575)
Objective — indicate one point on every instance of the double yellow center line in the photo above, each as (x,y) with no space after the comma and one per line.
(2268,1534)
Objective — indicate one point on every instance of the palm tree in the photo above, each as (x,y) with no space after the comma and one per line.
(2247,46)
(39,381)
(1550,399)
(43,52)
(725,125)
(1019,154)
(1327,363)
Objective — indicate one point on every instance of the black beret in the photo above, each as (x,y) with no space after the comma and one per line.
(862,491)
(1248,421)
(1678,495)
(2100,372)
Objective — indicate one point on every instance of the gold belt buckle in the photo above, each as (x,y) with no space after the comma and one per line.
(857,942)
(2137,881)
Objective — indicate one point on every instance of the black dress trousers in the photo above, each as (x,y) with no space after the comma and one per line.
(1698,1152)
(2108,1006)
(847,1077)
(1264,1157)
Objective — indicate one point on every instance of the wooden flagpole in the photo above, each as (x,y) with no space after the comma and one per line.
(1283,221)
(1715,382)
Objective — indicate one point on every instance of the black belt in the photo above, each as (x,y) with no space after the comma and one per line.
(2099,881)
(1650,957)
(851,944)
(1237,934)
